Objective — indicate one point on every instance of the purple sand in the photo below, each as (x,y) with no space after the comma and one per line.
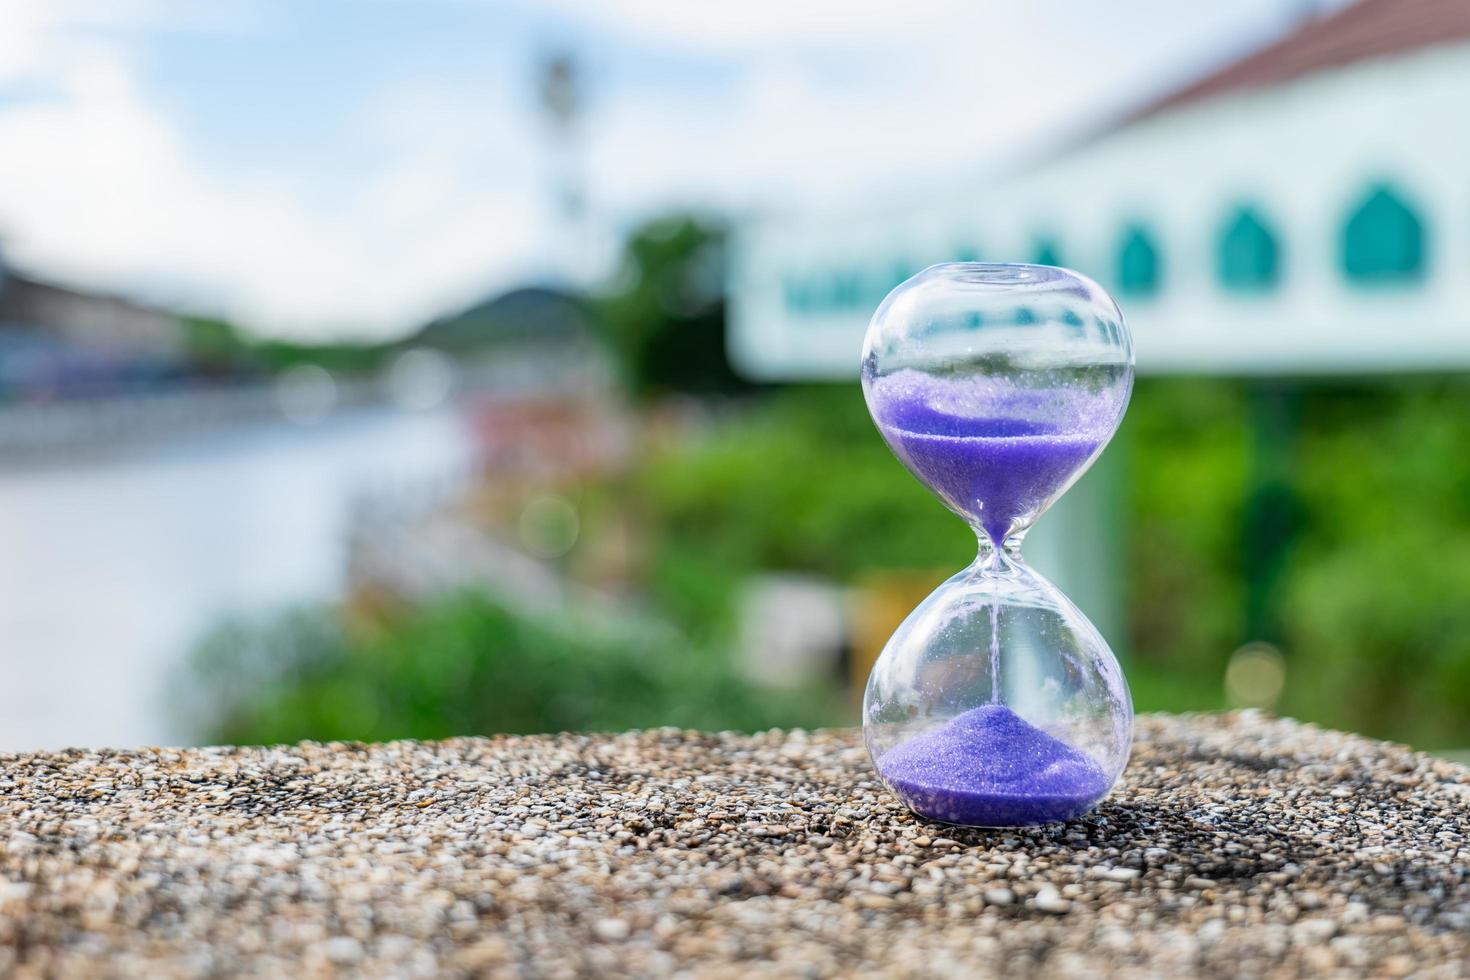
(989,768)
(984,451)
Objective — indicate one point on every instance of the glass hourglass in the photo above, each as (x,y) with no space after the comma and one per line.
(996,702)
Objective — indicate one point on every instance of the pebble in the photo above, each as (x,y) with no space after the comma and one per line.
(1048,899)
(1234,845)
(1119,874)
(340,949)
(999,896)
(1312,931)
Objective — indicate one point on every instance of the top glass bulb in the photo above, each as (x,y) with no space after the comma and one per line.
(997,385)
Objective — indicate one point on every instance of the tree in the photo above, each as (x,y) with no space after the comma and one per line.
(665,314)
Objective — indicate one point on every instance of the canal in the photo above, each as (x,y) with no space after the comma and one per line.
(112,564)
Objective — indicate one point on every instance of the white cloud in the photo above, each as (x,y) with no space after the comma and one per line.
(817,101)
(837,100)
(782,137)
(96,185)
(765,24)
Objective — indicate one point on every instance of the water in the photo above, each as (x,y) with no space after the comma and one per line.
(111,567)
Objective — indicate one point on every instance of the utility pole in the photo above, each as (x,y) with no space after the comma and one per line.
(560,93)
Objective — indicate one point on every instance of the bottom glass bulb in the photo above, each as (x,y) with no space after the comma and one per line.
(996,703)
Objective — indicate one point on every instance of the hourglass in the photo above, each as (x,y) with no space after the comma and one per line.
(996,703)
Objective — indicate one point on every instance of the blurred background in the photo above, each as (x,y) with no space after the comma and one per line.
(386,369)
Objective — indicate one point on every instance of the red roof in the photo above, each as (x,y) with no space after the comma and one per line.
(1357,32)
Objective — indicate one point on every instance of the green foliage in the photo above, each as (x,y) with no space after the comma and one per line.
(803,483)
(276,355)
(464,664)
(665,315)
(214,342)
(1371,603)
(218,345)
(798,481)
(1378,617)
(1189,446)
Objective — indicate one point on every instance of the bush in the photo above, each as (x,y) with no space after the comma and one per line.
(801,483)
(1188,446)
(1378,592)
(1370,604)
(664,314)
(465,664)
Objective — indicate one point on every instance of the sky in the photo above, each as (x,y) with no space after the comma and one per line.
(326,168)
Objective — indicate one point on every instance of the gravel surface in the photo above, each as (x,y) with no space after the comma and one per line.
(1236,845)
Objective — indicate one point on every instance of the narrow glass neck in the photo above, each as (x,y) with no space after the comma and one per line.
(1005,560)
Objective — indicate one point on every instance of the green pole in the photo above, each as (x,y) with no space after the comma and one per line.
(1272,510)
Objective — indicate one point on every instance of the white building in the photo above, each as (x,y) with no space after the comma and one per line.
(1306,209)
(1303,210)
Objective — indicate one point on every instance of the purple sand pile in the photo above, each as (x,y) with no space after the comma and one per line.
(989,768)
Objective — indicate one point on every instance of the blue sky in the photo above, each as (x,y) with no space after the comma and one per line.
(329,167)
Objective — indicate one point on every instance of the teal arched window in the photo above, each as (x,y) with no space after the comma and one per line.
(1382,239)
(798,295)
(1247,258)
(847,290)
(1047,252)
(1138,272)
